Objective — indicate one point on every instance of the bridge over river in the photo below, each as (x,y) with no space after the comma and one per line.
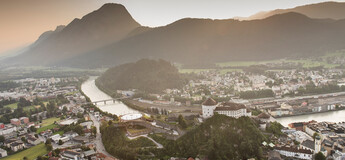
(114,100)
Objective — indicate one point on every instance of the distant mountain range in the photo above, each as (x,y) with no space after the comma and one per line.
(109,36)
(325,10)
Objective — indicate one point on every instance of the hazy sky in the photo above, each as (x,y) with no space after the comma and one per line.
(22,21)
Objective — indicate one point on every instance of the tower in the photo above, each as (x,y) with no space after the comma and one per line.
(208,107)
(317,144)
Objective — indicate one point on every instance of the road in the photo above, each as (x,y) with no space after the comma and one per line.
(146,136)
(98,141)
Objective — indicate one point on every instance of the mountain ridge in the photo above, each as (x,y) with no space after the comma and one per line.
(186,41)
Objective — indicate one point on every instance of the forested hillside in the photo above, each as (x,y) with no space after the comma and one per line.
(145,75)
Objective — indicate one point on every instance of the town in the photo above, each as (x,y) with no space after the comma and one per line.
(53,114)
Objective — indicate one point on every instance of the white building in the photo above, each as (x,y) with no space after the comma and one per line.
(208,107)
(3,153)
(8,129)
(234,110)
(295,152)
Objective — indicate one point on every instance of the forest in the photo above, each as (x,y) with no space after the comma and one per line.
(152,76)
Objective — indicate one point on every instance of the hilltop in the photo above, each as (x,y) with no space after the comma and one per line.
(146,75)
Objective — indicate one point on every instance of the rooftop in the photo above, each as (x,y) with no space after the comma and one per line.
(209,102)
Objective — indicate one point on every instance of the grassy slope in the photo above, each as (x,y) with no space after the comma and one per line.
(30,153)
(46,128)
(49,121)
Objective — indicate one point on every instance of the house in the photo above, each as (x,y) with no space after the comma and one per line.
(8,129)
(24,120)
(231,109)
(16,146)
(86,125)
(8,142)
(70,134)
(15,121)
(81,139)
(294,152)
(3,153)
(308,144)
(338,155)
(264,117)
(89,153)
(72,155)
(33,140)
(299,126)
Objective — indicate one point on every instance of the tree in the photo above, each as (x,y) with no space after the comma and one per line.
(320,156)
(110,122)
(182,122)
(64,110)
(23,139)
(78,129)
(33,129)
(60,142)
(48,141)
(275,128)
(2,139)
(315,135)
(94,130)
(49,147)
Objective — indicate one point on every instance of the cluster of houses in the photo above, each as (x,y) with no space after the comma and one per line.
(314,137)
(43,88)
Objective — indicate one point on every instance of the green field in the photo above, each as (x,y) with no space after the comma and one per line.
(12,106)
(39,130)
(15,106)
(237,64)
(49,121)
(31,153)
(193,70)
(59,132)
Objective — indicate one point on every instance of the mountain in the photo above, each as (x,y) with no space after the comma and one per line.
(194,41)
(109,24)
(154,76)
(109,37)
(332,10)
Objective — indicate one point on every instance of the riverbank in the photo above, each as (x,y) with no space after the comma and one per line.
(309,113)
(333,116)
(93,93)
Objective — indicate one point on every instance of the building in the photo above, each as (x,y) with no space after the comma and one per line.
(338,155)
(8,129)
(69,154)
(33,140)
(208,107)
(264,117)
(295,152)
(70,134)
(299,126)
(231,109)
(24,120)
(15,121)
(2,125)
(3,153)
(16,146)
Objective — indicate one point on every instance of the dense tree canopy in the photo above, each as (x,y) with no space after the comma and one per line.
(145,75)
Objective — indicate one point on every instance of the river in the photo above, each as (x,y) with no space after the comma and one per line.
(333,116)
(91,90)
